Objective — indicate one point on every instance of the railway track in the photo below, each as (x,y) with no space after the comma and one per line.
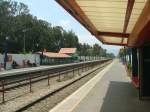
(13,90)
(23,82)
(9,82)
(15,87)
(34,103)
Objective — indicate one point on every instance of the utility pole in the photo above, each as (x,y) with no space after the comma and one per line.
(24,41)
(5,51)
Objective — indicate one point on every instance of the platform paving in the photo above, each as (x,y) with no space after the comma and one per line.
(109,91)
(113,93)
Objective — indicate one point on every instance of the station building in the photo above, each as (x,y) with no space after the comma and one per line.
(65,55)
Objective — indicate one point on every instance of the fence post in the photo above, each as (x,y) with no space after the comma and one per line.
(3,91)
(73,71)
(48,80)
(78,69)
(86,66)
(59,75)
(30,83)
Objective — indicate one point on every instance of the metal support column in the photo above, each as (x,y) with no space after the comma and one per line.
(134,62)
(144,72)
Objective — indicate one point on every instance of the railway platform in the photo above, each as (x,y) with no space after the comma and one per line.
(109,91)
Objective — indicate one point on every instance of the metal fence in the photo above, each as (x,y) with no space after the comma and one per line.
(12,80)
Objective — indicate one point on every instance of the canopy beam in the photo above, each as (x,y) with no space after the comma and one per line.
(128,15)
(140,33)
(114,34)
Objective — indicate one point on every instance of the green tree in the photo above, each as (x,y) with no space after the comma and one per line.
(26,30)
(96,50)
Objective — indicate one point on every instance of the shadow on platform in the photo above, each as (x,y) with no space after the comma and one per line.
(123,97)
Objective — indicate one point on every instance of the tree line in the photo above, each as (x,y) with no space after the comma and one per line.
(26,33)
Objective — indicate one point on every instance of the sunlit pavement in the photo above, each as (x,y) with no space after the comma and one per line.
(113,93)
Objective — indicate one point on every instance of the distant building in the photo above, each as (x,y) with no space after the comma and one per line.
(55,58)
(65,55)
(55,55)
(69,51)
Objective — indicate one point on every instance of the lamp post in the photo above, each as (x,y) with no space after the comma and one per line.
(5,51)
(24,41)
(37,47)
(41,57)
(6,45)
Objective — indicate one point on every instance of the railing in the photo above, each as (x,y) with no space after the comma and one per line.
(11,80)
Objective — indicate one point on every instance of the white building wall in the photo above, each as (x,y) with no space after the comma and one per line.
(1,58)
(33,58)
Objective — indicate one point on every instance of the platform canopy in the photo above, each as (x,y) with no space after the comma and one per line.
(114,22)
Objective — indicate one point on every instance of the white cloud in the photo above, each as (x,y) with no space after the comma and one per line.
(112,49)
(85,38)
(65,24)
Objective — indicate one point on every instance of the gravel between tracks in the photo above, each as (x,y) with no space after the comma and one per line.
(48,103)
(40,89)
(21,96)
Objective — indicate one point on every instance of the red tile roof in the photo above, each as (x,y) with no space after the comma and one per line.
(67,50)
(55,55)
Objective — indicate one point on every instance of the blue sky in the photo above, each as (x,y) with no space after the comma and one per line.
(52,12)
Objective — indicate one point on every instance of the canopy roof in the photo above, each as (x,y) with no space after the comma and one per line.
(115,22)
(54,55)
(68,50)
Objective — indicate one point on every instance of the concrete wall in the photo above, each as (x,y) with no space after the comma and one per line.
(1,58)
(33,58)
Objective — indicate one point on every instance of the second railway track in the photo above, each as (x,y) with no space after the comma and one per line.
(75,71)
